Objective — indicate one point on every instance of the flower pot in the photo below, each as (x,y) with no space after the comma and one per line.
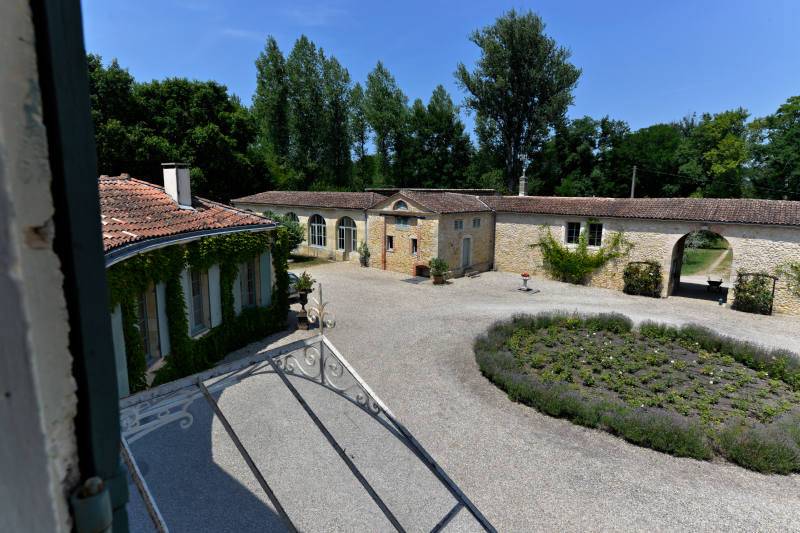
(303,297)
(364,260)
(438,279)
(302,320)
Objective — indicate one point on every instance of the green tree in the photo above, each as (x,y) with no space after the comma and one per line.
(442,148)
(714,154)
(386,111)
(776,152)
(337,162)
(520,88)
(270,101)
(654,151)
(360,137)
(306,115)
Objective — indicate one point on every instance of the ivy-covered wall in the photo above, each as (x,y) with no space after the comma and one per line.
(128,279)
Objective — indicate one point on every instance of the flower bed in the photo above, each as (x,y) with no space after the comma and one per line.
(687,391)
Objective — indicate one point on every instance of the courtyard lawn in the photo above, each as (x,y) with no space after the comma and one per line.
(701,261)
(687,391)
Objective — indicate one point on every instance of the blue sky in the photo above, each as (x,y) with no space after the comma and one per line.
(643,61)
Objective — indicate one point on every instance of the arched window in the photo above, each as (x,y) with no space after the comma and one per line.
(316,229)
(346,235)
(291,216)
(400,204)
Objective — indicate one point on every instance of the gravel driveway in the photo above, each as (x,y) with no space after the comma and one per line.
(412,342)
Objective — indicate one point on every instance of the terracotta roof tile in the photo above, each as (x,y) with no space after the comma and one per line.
(725,210)
(447,202)
(132,210)
(336,200)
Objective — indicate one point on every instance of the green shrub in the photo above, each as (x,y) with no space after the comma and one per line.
(635,401)
(438,267)
(575,265)
(766,449)
(643,278)
(753,293)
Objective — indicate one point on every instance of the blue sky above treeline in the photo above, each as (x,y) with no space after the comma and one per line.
(643,61)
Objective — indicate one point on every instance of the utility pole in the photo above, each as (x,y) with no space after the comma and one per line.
(633,182)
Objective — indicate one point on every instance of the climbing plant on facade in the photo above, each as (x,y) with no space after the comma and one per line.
(790,271)
(574,265)
(130,278)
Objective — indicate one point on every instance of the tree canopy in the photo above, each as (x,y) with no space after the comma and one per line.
(311,126)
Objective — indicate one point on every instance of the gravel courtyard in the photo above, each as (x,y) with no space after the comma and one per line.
(412,342)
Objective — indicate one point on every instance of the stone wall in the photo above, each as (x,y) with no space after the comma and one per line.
(401,259)
(755,248)
(331,216)
(451,241)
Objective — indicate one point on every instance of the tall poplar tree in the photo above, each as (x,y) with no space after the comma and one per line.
(520,88)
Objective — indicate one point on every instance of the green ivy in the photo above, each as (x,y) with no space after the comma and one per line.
(791,272)
(753,293)
(128,279)
(575,265)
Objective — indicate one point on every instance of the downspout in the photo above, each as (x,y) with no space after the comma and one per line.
(383,245)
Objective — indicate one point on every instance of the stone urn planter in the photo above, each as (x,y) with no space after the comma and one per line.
(438,279)
(304,284)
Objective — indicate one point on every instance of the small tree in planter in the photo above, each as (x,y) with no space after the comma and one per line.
(304,285)
(363,253)
(439,268)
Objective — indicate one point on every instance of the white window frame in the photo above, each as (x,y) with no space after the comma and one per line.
(566,233)
(589,234)
(317,231)
(414,246)
(341,232)
(390,243)
(245,269)
(203,299)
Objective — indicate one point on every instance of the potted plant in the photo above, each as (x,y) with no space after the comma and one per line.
(363,254)
(304,285)
(439,268)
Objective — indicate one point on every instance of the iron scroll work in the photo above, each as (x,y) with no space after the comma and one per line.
(315,360)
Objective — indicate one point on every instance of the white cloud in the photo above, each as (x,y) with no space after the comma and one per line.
(314,15)
(238,33)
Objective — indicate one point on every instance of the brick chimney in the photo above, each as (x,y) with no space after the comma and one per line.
(176,183)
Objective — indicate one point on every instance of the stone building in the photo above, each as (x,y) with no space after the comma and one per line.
(408,227)
(138,218)
(335,222)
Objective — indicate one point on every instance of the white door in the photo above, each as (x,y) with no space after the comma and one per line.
(466,252)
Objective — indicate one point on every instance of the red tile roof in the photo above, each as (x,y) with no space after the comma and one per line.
(724,210)
(133,210)
(446,202)
(336,200)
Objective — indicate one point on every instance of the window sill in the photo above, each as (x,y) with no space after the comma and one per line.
(200,333)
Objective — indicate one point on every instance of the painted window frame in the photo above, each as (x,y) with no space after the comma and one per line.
(591,237)
(341,234)
(577,236)
(317,231)
(414,246)
(402,222)
(390,243)
(476,222)
(400,205)
(458,224)
(246,288)
(147,316)
(203,299)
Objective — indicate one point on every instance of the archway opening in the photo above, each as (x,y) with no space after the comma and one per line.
(701,266)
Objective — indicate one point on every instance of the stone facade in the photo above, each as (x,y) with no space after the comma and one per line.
(332,217)
(754,248)
(481,248)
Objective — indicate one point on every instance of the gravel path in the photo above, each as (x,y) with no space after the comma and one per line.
(526,471)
